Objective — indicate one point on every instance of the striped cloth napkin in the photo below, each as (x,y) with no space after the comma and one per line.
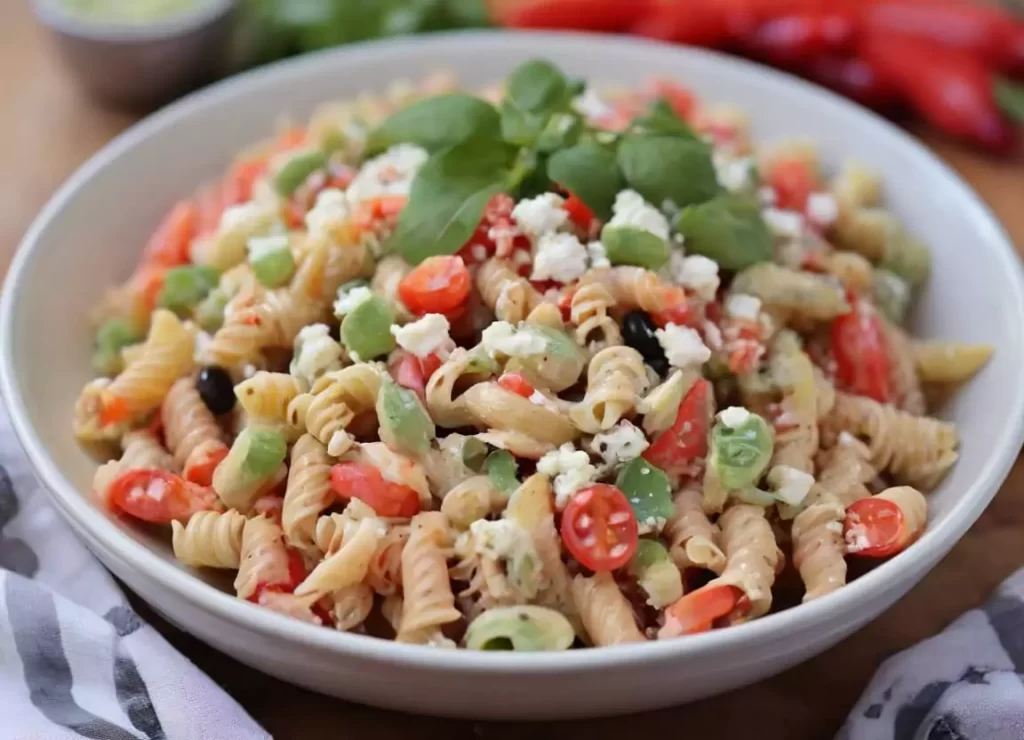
(75,660)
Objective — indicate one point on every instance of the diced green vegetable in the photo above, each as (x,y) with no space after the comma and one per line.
(209,314)
(185,286)
(113,336)
(474,454)
(299,167)
(265,450)
(891,294)
(668,169)
(255,457)
(366,330)
(500,467)
(560,364)
(435,123)
(520,628)
(404,424)
(648,553)
(590,172)
(647,489)
(741,455)
(275,268)
(728,229)
(628,245)
(906,256)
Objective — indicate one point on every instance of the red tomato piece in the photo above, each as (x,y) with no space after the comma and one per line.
(202,472)
(565,303)
(579,213)
(874,528)
(430,365)
(210,206)
(407,371)
(679,98)
(516,383)
(147,282)
(115,409)
(159,497)
(677,309)
(169,244)
(240,180)
(793,182)
(860,351)
(676,449)
(599,528)
(365,482)
(696,611)
(373,210)
(439,284)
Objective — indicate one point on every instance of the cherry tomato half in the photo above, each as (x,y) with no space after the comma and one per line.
(675,449)
(599,528)
(158,496)
(516,383)
(406,370)
(169,244)
(874,528)
(437,285)
(696,611)
(861,353)
(365,482)
(202,472)
(793,182)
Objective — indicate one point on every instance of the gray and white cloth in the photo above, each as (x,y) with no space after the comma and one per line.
(77,662)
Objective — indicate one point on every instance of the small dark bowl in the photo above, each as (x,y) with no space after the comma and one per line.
(142,66)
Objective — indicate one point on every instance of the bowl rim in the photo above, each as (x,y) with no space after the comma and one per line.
(206,12)
(84,514)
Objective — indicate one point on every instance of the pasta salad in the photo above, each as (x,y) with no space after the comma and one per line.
(528,369)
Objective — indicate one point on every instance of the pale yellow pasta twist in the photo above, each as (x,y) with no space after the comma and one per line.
(849,268)
(347,565)
(470,500)
(143,451)
(693,538)
(350,606)
(263,557)
(793,371)
(386,277)
(818,547)
(328,263)
(391,609)
(334,402)
(86,423)
(787,292)
(165,357)
(265,397)
(211,539)
(427,593)
(589,312)
(487,585)
(607,615)
(904,384)
(385,572)
(914,506)
(444,386)
(616,379)
(190,428)
(489,406)
(752,557)
(916,450)
(846,470)
(307,494)
(948,361)
(632,287)
(510,296)
(661,406)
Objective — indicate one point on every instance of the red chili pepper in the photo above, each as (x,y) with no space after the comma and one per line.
(795,40)
(854,78)
(583,15)
(949,88)
(981,30)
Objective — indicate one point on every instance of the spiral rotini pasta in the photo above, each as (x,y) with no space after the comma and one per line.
(334,402)
(693,539)
(589,311)
(265,397)
(606,614)
(904,383)
(428,602)
(307,494)
(818,549)
(616,379)
(191,431)
(752,558)
(509,296)
(210,539)
(796,438)
(263,558)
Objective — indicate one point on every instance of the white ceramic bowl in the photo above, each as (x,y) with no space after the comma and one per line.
(89,237)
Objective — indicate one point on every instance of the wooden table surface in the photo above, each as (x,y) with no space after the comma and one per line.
(47,128)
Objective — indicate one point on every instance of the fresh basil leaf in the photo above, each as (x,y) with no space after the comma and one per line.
(1010,97)
(518,126)
(448,198)
(728,229)
(589,172)
(661,119)
(530,174)
(668,169)
(538,86)
(560,131)
(435,123)
(628,245)
(647,489)
(500,467)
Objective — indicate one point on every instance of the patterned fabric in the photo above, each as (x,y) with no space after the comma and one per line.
(75,660)
(966,683)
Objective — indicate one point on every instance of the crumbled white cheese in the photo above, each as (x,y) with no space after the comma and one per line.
(846,439)
(590,105)
(248,370)
(201,345)
(620,444)
(261,246)
(501,538)
(836,527)
(349,299)
(424,336)
(598,255)
(790,485)
(503,338)
(766,196)
(316,353)
(783,223)
(559,257)
(246,217)
(733,173)
(540,215)
(651,524)
(856,535)
(822,209)
(696,272)
(734,417)
(331,210)
(570,470)
(683,346)
(632,210)
(743,306)
(391,173)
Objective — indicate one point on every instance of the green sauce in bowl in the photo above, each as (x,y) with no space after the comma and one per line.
(128,11)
